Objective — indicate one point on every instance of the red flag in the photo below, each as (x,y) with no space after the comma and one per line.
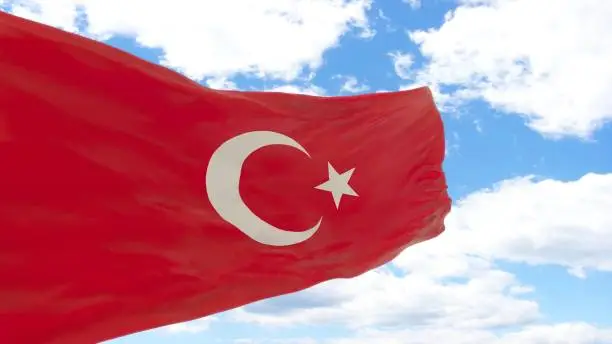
(132,197)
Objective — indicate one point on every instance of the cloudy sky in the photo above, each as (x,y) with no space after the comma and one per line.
(524,87)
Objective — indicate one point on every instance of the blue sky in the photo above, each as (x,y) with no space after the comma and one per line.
(522,86)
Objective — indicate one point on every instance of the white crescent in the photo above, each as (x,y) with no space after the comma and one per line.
(222,185)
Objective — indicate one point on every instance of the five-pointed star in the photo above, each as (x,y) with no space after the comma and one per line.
(338,184)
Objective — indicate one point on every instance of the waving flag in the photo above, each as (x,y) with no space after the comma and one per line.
(132,197)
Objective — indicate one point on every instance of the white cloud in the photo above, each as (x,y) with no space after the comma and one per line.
(541,59)
(402,64)
(382,15)
(478,126)
(452,144)
(367,33)
(221,83)
(379,298)
(58,13)
(194,326)
(444,102)
(565,333)
(275,38)
(529,221)
(312,90)
(189,328)
(352,85)
(413,3)
(452,290)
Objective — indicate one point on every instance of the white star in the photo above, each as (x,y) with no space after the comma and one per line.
(338,184)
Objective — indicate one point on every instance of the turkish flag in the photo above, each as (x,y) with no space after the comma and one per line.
(132,197)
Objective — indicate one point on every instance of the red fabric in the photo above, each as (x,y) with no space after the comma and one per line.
(105,221)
